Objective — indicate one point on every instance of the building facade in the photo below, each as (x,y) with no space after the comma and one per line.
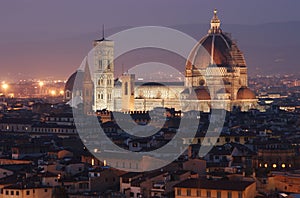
(215,77)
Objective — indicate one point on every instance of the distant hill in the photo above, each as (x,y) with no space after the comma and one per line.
(269,48)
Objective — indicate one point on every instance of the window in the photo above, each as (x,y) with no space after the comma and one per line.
(229,195)
(6,192)
(240,195)
(131,194)
(126,89)
(198,193)
(178,191)
(100,64)
(188,192)
(27,192)
(12,192)
(17,193)
(108,64)
(218,194)
(46,190)
(208,193)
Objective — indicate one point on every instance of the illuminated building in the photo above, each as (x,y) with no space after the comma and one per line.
(225,83)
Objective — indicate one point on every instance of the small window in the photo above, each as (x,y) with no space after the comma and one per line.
(229,195)
(108,64)
(126,89)
(208,193)
(27,192)
(218,194)
(46,190)
(240,195)
(100,64)
(198,193)
(6,192)
(17,193)
(178,191)
(12,192)
(188,192)
(237,139)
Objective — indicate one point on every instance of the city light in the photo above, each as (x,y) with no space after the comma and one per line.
(53,92)
(5,86)
(41,83)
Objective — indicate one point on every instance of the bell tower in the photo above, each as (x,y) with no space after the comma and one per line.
(103,74)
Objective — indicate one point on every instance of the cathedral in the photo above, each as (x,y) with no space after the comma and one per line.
(215,77)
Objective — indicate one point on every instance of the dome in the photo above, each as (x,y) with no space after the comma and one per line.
(71,80)
(216,48)
(244,93)
(211,46)
(200,93)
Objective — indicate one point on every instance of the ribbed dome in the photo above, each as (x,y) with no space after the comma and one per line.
(244,93)
(71,80)
(200,93)
(216,48)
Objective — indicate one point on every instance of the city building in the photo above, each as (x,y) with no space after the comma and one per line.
(215,77)
(215,188)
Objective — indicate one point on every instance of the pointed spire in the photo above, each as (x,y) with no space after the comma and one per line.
(215,24)
(103,35)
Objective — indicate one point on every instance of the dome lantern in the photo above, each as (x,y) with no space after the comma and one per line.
(215,24)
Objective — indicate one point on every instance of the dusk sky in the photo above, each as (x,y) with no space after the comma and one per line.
(50,38)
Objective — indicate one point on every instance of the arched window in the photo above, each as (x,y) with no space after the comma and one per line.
(126,89)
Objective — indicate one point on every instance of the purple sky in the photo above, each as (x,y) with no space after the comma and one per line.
(35,33)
